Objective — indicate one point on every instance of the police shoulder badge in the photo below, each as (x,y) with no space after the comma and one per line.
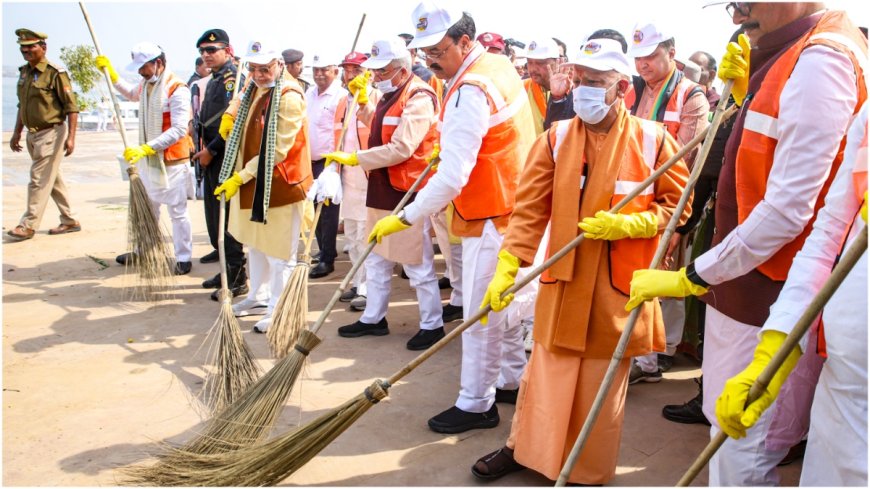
(230,85)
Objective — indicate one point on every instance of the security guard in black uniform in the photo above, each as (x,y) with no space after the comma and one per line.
(214,47)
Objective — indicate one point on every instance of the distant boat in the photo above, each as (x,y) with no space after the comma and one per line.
(129,116)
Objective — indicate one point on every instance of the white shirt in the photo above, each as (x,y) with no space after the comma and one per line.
(321,117)
(465,123)
(816,106)
(178,106)
(813,264)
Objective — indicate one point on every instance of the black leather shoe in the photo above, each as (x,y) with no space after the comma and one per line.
(688,413)
(182,267)
(235,291)
(349,295)
(126,259)
(455,420)
(315,258)
(450,313)
(665,362)
(506,396)
(211,257)
(425,338)
(444,283)
(360,328)
(212,283)
(321,270)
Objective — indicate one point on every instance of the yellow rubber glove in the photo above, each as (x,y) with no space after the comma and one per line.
(864,208)
(230,186)
(504,278)
(436,150)
(731,410)
(348,159)
(735,66)
(135,153)
(619,226)
(386,227)
(103,62)
(227,121)
(359,87)
(648,284)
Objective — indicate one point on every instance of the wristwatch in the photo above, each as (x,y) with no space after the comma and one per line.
(693,276)
(401,216)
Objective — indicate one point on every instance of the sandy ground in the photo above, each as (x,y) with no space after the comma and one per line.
(91,380)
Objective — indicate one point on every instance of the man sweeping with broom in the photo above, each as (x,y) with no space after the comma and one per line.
(267,162)
(164,111)
(574,172)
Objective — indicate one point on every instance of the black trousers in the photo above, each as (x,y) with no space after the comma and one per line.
(327,227)
(234,253)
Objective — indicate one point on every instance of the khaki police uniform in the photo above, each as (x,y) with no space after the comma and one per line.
(45,98)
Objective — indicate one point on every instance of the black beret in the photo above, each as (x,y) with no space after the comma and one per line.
(214,35)
(291,55)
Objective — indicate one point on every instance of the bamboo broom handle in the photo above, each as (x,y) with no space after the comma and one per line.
(116,107)
(534,273)
(847,263)
(619,352)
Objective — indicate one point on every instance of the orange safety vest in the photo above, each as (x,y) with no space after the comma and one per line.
(437,84)
(362,130)
(538,103)
(181,149)
(680,89)
(403,175)
(759,137)
(638,162)
(492,186)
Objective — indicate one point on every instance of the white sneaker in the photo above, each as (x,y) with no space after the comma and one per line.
(358,303)
(249,307)
(263,325)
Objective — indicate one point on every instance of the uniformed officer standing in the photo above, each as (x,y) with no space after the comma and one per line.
(214,47)
(45,98)
(293,65)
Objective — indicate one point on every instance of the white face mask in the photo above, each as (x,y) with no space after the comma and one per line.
(590,105)
(386,86)
(153,79)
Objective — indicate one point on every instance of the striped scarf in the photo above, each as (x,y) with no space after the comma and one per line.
(151,125)
(267,158)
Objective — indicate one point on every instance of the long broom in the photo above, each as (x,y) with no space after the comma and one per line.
(720,114)
(154,259)
(291,310)
(273,461)
(807,319)
(235,367)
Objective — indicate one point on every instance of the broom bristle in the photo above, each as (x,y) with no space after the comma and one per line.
(268,463)
(153,257)
(235,367)
(242,424)
(291,312)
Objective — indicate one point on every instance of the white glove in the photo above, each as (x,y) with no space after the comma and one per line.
(312,192)
(329,186)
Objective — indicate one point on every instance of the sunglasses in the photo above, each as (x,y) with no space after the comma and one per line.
(209,49)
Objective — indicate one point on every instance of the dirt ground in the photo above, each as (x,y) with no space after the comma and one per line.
(91,380)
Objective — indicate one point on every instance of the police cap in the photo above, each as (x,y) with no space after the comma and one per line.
(26,37)
(291,55)
(214,35)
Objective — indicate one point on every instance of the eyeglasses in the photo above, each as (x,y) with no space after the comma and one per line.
(437,53)
(209,49)
(742,8)
(263,70)
(382,72)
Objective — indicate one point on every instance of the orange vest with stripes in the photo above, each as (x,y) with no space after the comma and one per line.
(492,186)
(362,131)
(403,175)
(638,162)
(759,137)
(181,149)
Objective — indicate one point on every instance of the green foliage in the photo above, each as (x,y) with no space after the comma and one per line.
(79,61)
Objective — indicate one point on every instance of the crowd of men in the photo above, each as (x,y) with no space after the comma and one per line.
(528,157)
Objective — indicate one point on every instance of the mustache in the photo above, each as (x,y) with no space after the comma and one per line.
(435,66)
(749,25)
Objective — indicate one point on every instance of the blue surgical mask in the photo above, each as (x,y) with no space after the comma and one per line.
(590,105)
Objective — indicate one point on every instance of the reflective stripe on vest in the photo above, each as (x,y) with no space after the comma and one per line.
(491,188)
(760,132)
(403,175)
(638,162)
(362,131)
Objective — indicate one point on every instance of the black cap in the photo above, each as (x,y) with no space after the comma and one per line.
(291,55)
(214,35)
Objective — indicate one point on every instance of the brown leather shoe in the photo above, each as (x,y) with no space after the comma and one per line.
(21,233)
(66,228)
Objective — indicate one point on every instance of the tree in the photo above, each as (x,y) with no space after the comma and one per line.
(79,61)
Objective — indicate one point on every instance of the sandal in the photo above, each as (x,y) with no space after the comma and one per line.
(66,228)
(496,464)
(21,233)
